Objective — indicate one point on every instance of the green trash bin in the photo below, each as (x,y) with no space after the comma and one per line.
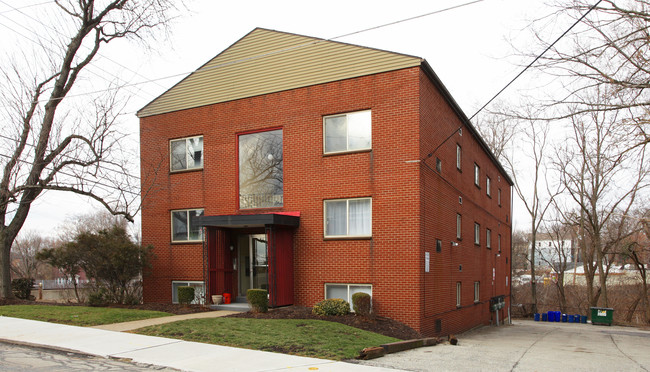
(602,315)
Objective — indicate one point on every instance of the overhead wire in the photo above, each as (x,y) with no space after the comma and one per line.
(275,52)
(430,154)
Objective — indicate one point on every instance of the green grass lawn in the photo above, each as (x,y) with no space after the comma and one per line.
(77,315)
(312,338)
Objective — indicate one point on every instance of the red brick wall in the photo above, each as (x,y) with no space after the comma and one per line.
(440,203)
(392,261)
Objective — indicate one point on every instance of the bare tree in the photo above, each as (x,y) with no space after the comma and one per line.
(498,129)
(608,51)
(603,176)
(50,145)
(538,194)
(561,238)
(24,263)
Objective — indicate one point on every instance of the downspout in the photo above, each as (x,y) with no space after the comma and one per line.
(206,293)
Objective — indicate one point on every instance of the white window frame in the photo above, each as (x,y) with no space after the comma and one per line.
(459,157)
(347,216)
(187,156)
(488,186)
(458,294)
(477,175)
(349,296)
(187,211)
(348,149)
(459,224)
(477,233)
(199,296)
(477,291)
(488,238)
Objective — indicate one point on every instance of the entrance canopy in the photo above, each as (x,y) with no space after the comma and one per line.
(288,219)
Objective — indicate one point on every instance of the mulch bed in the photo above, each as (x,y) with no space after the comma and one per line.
(377,324)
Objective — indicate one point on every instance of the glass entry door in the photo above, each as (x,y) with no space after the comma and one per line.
(253,263)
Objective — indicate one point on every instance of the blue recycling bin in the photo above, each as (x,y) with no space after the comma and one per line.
(544,317)
(583,319)
(551,316)
(564,318)
(558,316)
(537,317)
(570,318)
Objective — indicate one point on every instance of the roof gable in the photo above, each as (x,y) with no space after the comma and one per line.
(266,61)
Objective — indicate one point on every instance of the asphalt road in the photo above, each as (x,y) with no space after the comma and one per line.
(532,346)
(16,358)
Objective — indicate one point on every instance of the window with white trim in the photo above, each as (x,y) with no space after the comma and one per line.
(347,132)
(348,217)
(477,175)
(477,290)
(488,186)
(459,153)
(477,233)
(457,294)
(499,197)
(186,153)
(499,243)
(459,219)
(199,290)
(185,227)
(345,291)
(488,238)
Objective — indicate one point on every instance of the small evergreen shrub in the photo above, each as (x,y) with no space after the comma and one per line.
(258,299)
(185,295)
(361,303)
(97,298)
(333,306)
(22,288)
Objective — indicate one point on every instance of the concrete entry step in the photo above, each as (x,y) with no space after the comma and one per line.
(234,306)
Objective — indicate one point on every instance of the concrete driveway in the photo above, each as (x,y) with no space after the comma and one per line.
(532,346)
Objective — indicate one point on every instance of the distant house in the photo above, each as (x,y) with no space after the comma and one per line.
(306,167)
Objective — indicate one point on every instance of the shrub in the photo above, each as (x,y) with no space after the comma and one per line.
(22,288)
(97,298)
(185,295)
(361,303)
(333,306)
(258,299)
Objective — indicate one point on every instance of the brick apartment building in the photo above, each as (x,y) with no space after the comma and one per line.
(306,167)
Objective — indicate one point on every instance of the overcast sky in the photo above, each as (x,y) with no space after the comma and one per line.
(469,47)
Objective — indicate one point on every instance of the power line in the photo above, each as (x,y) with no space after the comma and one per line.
(536,58)
(13,9)
(90,67)
(73,158)
(515,78)
(279,51)
(76,176)
(62,34)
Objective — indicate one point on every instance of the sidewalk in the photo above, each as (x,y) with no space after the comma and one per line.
(129,326)
(183,355)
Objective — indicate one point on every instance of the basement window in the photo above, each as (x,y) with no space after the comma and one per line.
(345,291)
(199,290)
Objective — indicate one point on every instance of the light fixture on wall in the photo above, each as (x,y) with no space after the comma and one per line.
(454,244)
(232,248)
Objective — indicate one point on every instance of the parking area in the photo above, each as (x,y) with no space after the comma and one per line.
(532,346)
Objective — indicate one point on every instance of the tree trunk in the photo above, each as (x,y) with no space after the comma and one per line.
(533,277)
(5,264)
